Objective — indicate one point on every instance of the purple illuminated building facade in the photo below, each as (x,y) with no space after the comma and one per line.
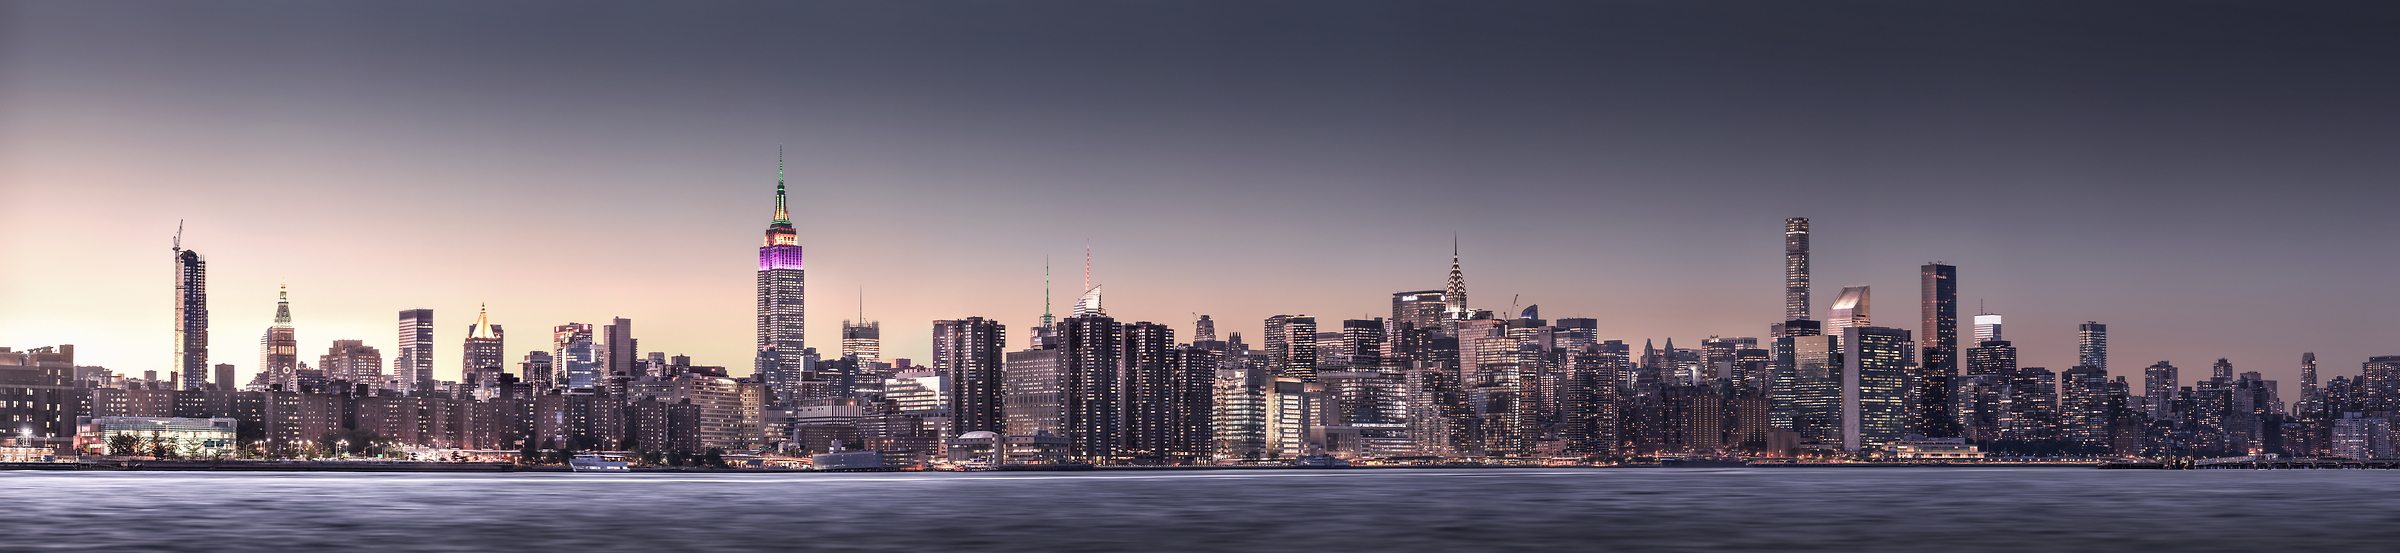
(782,305)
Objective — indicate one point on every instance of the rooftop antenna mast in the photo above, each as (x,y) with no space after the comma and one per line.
(1046,317)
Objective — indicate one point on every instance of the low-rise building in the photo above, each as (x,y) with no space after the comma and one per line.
(183,437)
(1935,449)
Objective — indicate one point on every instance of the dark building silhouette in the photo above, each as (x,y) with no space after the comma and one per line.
(968,351)
(1930,405)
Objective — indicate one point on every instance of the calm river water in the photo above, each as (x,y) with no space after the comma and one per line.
(2013,510)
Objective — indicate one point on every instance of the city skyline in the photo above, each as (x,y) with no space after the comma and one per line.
(1593,219)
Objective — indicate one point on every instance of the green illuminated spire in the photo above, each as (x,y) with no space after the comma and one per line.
(782,217)
(1047,319)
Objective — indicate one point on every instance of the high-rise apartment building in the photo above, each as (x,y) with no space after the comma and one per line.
(2033,405)
(782,298)
(414,363)
(2378,385)
(1930,404)
(1090,416)
(2158,390)
(1874,386)
(1849,310)
(1795,269)
(2223,370)
(352,361)
(1158,397)
(540,373)
(278,351)
(191,316)
(1997,357)
(485,353)
(2091,345)
(2084,406)
(968,352)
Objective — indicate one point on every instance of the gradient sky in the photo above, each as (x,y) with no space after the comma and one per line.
(2211,179)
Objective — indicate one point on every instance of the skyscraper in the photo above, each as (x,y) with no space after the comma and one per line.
(562,336)
(191,315)
(2223,370)
(1795,269)
(782,303)
(1089,305)
(1089,413)
(1987,328)
(1039,337)
(620,355)
(1362,342)
(352,361)
(1997,357)
(278,352)
(1454,301)
(2083,406)
(1930,405)
(1159,394)
(2311,399)
(1292,346)
(1874,386)
(968,352)
(1816,394)
(486,354)
(1420,309)
(581,363)
(1849,310)
(2158,390)
(415,355)
(2091,345)
(863,339)
(1031,394)
(1784,378)
(537,368)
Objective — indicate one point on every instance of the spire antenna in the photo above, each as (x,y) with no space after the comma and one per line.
(1087,264)
(782,215)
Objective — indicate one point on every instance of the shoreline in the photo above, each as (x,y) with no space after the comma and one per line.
(452,467)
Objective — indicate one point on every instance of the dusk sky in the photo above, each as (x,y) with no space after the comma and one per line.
(2210,179)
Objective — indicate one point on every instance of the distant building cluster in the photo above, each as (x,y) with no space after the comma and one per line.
(1435,380)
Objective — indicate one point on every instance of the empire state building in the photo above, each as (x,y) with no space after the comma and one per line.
(782,305)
